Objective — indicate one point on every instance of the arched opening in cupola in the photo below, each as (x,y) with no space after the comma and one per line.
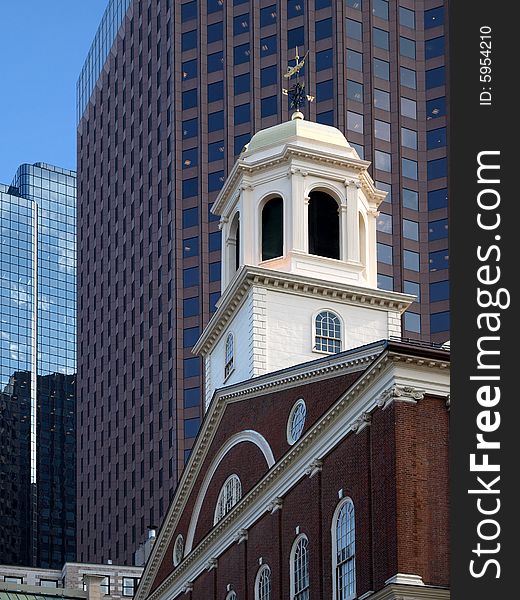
(233,245)
(323,225)
(272,229)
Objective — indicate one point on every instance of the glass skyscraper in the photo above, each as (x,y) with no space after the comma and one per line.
(169,95)
(37,366)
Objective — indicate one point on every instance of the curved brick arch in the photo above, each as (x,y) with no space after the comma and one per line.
(247,435)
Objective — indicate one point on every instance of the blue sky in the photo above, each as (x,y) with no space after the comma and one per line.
(43,44)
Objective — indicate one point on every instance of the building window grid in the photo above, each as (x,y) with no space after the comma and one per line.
(230,494)
(328,333)
(296,421)
(263,584)
(178,550)
(230,355)
(345,552)
(300,570)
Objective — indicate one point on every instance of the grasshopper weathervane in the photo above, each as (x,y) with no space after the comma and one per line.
(296,93)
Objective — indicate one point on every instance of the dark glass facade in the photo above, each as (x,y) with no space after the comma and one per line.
(37,367)
(183,89)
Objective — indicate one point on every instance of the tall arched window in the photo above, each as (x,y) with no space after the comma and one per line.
(272,229)
(230,355)
(344,551)
(323,225)
(327,332)
(299,569)
(230,494)
(263,583)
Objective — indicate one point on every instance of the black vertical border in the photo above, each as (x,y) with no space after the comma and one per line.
(473,129)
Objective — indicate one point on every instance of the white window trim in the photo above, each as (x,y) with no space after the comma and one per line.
(290,440)
(227,374)
(259,574)
(232,595)
(179,542)
(341,337)
(217,517)
(291,564)
(339,507)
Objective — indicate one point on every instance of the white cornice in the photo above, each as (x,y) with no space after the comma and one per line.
(249,276)
(360,400)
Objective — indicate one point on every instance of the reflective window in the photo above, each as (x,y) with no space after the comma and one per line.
(384,222)
(190,336)
(407,47)
(410,230)
(190,277)
(268,46)
(381,99)
(191,426)
(323,29)
(327,332)
(296,37)
(410,199)
(436,138)
(242,113)
(190,128)
(263,583)
(295,8)
(440,290)
(269,106)
(436,108)
(229,495)
(354,90)
(189,69)
(215,32)
(190,306)
(268,15)
(129,585)
(434,47)
(354,29)
(189,99)
(324,59)
(178,550)
(409,138)
(435,77)
(213,299)
(409,168)
(437,230)
(190,247)
(324,90)
(383,161)
(269,76)
(240,24)
(408,78)
(439,322)
(215,91)
(190,187)
(241,54)
(215,183)
(318,4)
(190,217)
(438,260)
(408,108)
(438,199)
(411,287)
(189,40)
(215,62)
(359,149)
(344,551)
(437,168)
(407,17)
(326,118)
(215,241)
(216,121)
(382,130)
(411,260)
(354,60)
(352,4)
(296,421)
(433,17)
(412,322)
(381,69)
(240,141)
(216,151)
(384,253)
(380,9)
(188,11)
(381,38)
(385,187)
(241,83)
(214,5)
(300,569)
(354,121)
(214,271)
(385,282)
(192,397)
(190,158)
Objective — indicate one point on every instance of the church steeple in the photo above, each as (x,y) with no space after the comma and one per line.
(299,266)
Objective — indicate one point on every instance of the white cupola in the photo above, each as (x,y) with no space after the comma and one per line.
(299,264)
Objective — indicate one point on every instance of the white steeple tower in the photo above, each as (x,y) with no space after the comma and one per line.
(299,264)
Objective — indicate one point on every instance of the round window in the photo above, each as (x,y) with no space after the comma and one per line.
(296,421)
(178,550)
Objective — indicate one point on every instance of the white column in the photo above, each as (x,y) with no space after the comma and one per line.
(248,225)
(344,237)
(297,232)
(352,224)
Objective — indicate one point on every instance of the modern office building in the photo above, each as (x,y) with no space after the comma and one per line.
(37,367)
(169,95)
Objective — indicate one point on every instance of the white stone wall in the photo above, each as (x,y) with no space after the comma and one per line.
(290,326)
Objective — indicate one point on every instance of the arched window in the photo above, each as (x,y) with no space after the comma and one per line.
(344,551)
(296,421)
(230,494)
(323,225)
(178,550)
(230,355)
(299,569)
(263,583)
(327,332)
(272,229)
